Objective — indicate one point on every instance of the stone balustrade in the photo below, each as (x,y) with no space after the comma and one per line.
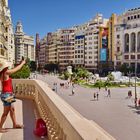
(63,122)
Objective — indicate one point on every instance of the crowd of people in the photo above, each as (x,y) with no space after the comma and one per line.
(71,85)
(64,85)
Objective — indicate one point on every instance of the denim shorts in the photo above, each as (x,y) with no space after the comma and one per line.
(6,95)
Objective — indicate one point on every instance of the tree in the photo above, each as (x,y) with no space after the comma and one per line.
(82,73)
(33,65)
(124,68)
(110,77)
(51,67)
(23,73)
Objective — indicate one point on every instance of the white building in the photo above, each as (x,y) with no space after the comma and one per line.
(79,53)
(24,44)
(127,38)
(92,41)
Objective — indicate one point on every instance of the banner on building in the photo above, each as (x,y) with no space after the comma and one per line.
(104,38)
(103,54)
(104,44)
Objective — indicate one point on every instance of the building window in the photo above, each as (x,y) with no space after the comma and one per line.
(138,56)
(118,36)
(90,38)
(132,56)
(126,57)
(90,43)
(118,49)
(96,42)
(138,42)
(118,63)
(133,42)
(126,49)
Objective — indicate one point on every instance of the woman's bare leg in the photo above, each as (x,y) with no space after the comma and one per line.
(13,117)
(4,116)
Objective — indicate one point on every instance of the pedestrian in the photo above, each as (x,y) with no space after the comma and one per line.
(109,93)
(99,87)
(135,101)
(94,95)
(73,89)
(53,86)
(129,94)
(139,102)
(56,87)
(7,95)
(105,88)
(97,94)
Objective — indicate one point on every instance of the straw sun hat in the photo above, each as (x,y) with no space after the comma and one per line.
(3,65)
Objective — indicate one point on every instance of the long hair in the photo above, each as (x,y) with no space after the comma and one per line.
(2,74)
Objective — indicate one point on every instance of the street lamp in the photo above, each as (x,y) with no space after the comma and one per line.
(135,100)
(135,83)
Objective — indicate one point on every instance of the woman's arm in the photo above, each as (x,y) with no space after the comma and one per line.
(17,68)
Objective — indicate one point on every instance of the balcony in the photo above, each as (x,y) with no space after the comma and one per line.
(36,99)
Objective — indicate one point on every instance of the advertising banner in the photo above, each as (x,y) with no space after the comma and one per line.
(103,54)
(105,38)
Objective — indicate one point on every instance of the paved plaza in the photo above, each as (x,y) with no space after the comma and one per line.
(117,115)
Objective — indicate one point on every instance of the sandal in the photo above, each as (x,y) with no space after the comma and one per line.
(18,126)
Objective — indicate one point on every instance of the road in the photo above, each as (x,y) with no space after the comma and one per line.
(117,115)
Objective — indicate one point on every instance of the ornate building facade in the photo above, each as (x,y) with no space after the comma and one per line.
(24,44)
(7,47)
(127,38)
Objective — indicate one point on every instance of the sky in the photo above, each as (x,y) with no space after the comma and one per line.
(43,16)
